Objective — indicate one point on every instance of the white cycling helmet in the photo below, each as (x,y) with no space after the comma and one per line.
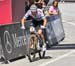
(32,29)
(33,8)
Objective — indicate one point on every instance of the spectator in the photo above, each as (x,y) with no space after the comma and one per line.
(46,2)
(31,2)
(26,6)
(28,3)
(39,3)
(53,9)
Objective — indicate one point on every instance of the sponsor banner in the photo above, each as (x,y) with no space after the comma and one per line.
(54,29)
(14,40)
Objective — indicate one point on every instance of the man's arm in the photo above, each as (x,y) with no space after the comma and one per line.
(23,21)
(45,22)
(43,17)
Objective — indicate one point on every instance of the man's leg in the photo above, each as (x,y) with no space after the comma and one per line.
(44,44)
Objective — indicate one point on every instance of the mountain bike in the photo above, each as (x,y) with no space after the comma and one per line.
(35,45)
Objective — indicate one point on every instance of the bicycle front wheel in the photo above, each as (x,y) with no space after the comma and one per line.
(32,47)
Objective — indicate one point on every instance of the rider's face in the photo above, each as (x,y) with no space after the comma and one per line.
(34,13)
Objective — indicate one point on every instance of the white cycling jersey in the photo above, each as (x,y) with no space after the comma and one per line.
(38,17)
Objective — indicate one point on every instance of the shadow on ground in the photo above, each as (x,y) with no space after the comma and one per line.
(56,47)
(62,46)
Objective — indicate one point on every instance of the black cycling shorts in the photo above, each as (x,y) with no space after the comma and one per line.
(37,23)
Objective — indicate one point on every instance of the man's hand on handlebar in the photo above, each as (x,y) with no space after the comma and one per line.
(43,27)
(22,27)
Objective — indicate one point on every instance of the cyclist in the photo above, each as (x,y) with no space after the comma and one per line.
(38,18)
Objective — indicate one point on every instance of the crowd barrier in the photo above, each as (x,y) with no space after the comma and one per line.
(14,40)
(54,29)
